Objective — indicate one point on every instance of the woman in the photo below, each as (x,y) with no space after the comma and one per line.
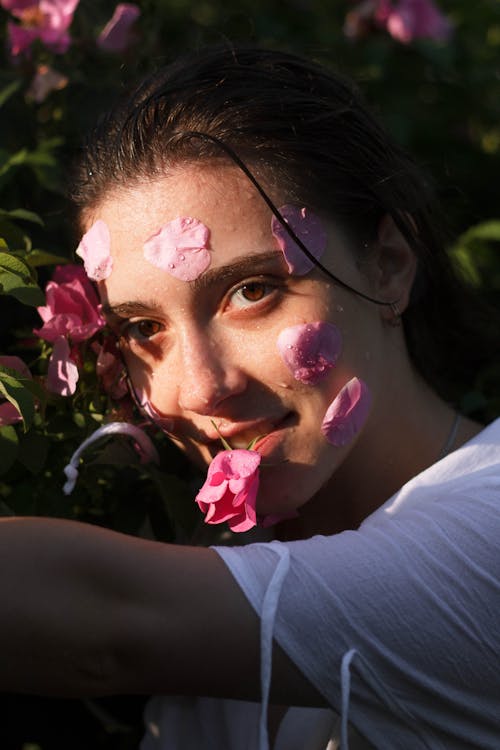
(271,265)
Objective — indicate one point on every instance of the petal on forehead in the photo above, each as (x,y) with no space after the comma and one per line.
(309,228)
(347,413)
(95,251)
(180,248)
(310,350)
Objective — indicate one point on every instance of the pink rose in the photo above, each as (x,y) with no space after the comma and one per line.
(47,20)
(230,489)
(8,412)
(117,35)
(72,307)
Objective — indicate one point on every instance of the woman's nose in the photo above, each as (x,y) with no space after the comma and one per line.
(209,374)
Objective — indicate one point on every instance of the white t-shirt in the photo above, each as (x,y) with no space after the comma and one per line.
(397,623)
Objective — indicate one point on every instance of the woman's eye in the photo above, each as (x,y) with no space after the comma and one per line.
(250,293)
(141,330)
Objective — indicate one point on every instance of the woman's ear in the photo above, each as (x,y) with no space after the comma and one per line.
(394,265)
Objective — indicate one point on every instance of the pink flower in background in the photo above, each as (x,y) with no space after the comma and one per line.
(230,489)
(95,251)
(46,20)
(8,412)
(405,20)
(413,19)
(46,80)
(117,35)
(72,307)
(62,374)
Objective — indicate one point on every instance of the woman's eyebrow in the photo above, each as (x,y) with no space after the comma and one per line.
(250,265)
(129,309)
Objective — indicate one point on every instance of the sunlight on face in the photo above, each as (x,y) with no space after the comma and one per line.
(206,350)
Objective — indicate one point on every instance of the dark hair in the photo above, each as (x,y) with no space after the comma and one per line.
(306,130)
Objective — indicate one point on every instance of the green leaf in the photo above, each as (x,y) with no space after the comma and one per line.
(20,397)
(24,215)
(41,258)
(15,160)
(9,90)
(27,293)
(14,264)
(9,446)
(13,235)
(487,230)
(16,279)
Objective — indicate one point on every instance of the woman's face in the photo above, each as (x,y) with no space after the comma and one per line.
(204,351)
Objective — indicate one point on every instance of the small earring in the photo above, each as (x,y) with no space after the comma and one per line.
(396,315)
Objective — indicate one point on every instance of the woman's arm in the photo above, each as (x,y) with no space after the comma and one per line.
(88,611)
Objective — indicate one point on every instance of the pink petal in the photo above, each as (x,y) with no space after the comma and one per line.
(8,412)
(115,36)
(58,13)
(413,19)
(309,229)
(95,250)
(310,350)
(180,248)
(16,363)
(20,38)
(347,413)
(16,6)
(45,81)
(62,374)
(164,423)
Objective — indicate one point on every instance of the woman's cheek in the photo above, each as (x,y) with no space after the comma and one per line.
(310,351)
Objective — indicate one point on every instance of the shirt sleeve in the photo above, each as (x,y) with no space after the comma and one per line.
(395,623)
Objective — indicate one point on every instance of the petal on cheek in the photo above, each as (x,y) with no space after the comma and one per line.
(309,229)
(310,350)
(95,251)
(347,413)
(180,248)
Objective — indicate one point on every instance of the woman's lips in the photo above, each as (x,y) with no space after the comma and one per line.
(241,434)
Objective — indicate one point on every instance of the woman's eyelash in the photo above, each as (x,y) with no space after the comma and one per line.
(139,330)
(252,291)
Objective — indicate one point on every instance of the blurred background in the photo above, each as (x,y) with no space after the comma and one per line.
(430,70)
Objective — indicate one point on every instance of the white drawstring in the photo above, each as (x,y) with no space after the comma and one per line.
(269,607)
(112,428)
